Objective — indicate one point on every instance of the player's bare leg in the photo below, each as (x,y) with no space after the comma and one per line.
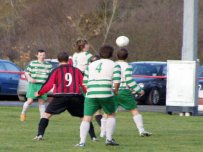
(42,107)
(25,108)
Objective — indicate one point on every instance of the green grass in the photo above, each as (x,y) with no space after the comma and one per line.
(170,133)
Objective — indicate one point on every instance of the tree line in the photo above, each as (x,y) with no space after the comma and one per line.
(154,27)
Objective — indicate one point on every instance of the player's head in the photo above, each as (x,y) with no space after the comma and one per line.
(41,51)
(40,55)
(87,46)
(81,45)
(106,51)
(122,54)
(63,57)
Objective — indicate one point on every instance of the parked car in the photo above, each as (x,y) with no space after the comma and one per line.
(9,78)
(154,87)
(201,78)
(200,101)
(23,83)
(201,71)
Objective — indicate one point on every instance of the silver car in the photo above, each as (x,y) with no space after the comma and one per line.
(23,83)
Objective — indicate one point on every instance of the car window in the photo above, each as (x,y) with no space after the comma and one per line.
(153,71)
(54,64)
(164,73)
(2,67)
(11,67)
(158,68)
(144,69)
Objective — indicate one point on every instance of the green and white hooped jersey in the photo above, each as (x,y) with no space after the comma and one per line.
(39,70)
(127,81)
(99,78)
(81,60)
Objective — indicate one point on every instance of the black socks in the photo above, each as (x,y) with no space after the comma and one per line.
(91,131)
(42,126)
(98,119)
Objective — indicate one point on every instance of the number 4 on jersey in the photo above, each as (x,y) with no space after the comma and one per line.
(99,67)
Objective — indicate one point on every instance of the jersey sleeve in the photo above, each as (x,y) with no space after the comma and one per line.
(28,68)
(48,85)
(86,76)
(51,68)
(134,87)
(117,73)
(81,82)
(74,60)
(70,61)
(89,56)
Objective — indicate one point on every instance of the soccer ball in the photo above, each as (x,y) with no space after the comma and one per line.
(122,41)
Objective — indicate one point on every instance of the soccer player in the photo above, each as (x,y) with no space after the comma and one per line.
(82,57)
(100,119)
(36,73)
(98,114)
(128,88)
(67,81)
(99,78)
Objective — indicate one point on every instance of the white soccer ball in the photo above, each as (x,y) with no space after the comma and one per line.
(122,41)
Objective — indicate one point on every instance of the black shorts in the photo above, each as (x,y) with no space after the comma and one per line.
(74,104)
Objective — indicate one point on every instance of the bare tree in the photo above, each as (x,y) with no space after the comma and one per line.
(106,23)
(154,27)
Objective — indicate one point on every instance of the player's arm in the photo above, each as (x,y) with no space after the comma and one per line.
(86,77)
(89,56)
(27,74)
(116,78)
(51,68)
(70,60)
(116,88)
(136,89)
(29,78)
(48,85)
(81,81)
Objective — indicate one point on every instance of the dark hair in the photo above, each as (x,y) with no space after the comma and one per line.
(106,51)
(80,45)
(63,57)
(85,41)
(122,54)
(40,51)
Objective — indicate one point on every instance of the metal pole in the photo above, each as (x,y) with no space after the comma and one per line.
(190,28)
(190,38)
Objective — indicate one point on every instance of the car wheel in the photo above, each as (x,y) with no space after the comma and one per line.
(154,97)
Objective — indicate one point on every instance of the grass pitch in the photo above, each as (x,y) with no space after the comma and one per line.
(171,133)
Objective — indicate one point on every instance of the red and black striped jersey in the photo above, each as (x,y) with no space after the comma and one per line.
(70,61)
(65,79)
